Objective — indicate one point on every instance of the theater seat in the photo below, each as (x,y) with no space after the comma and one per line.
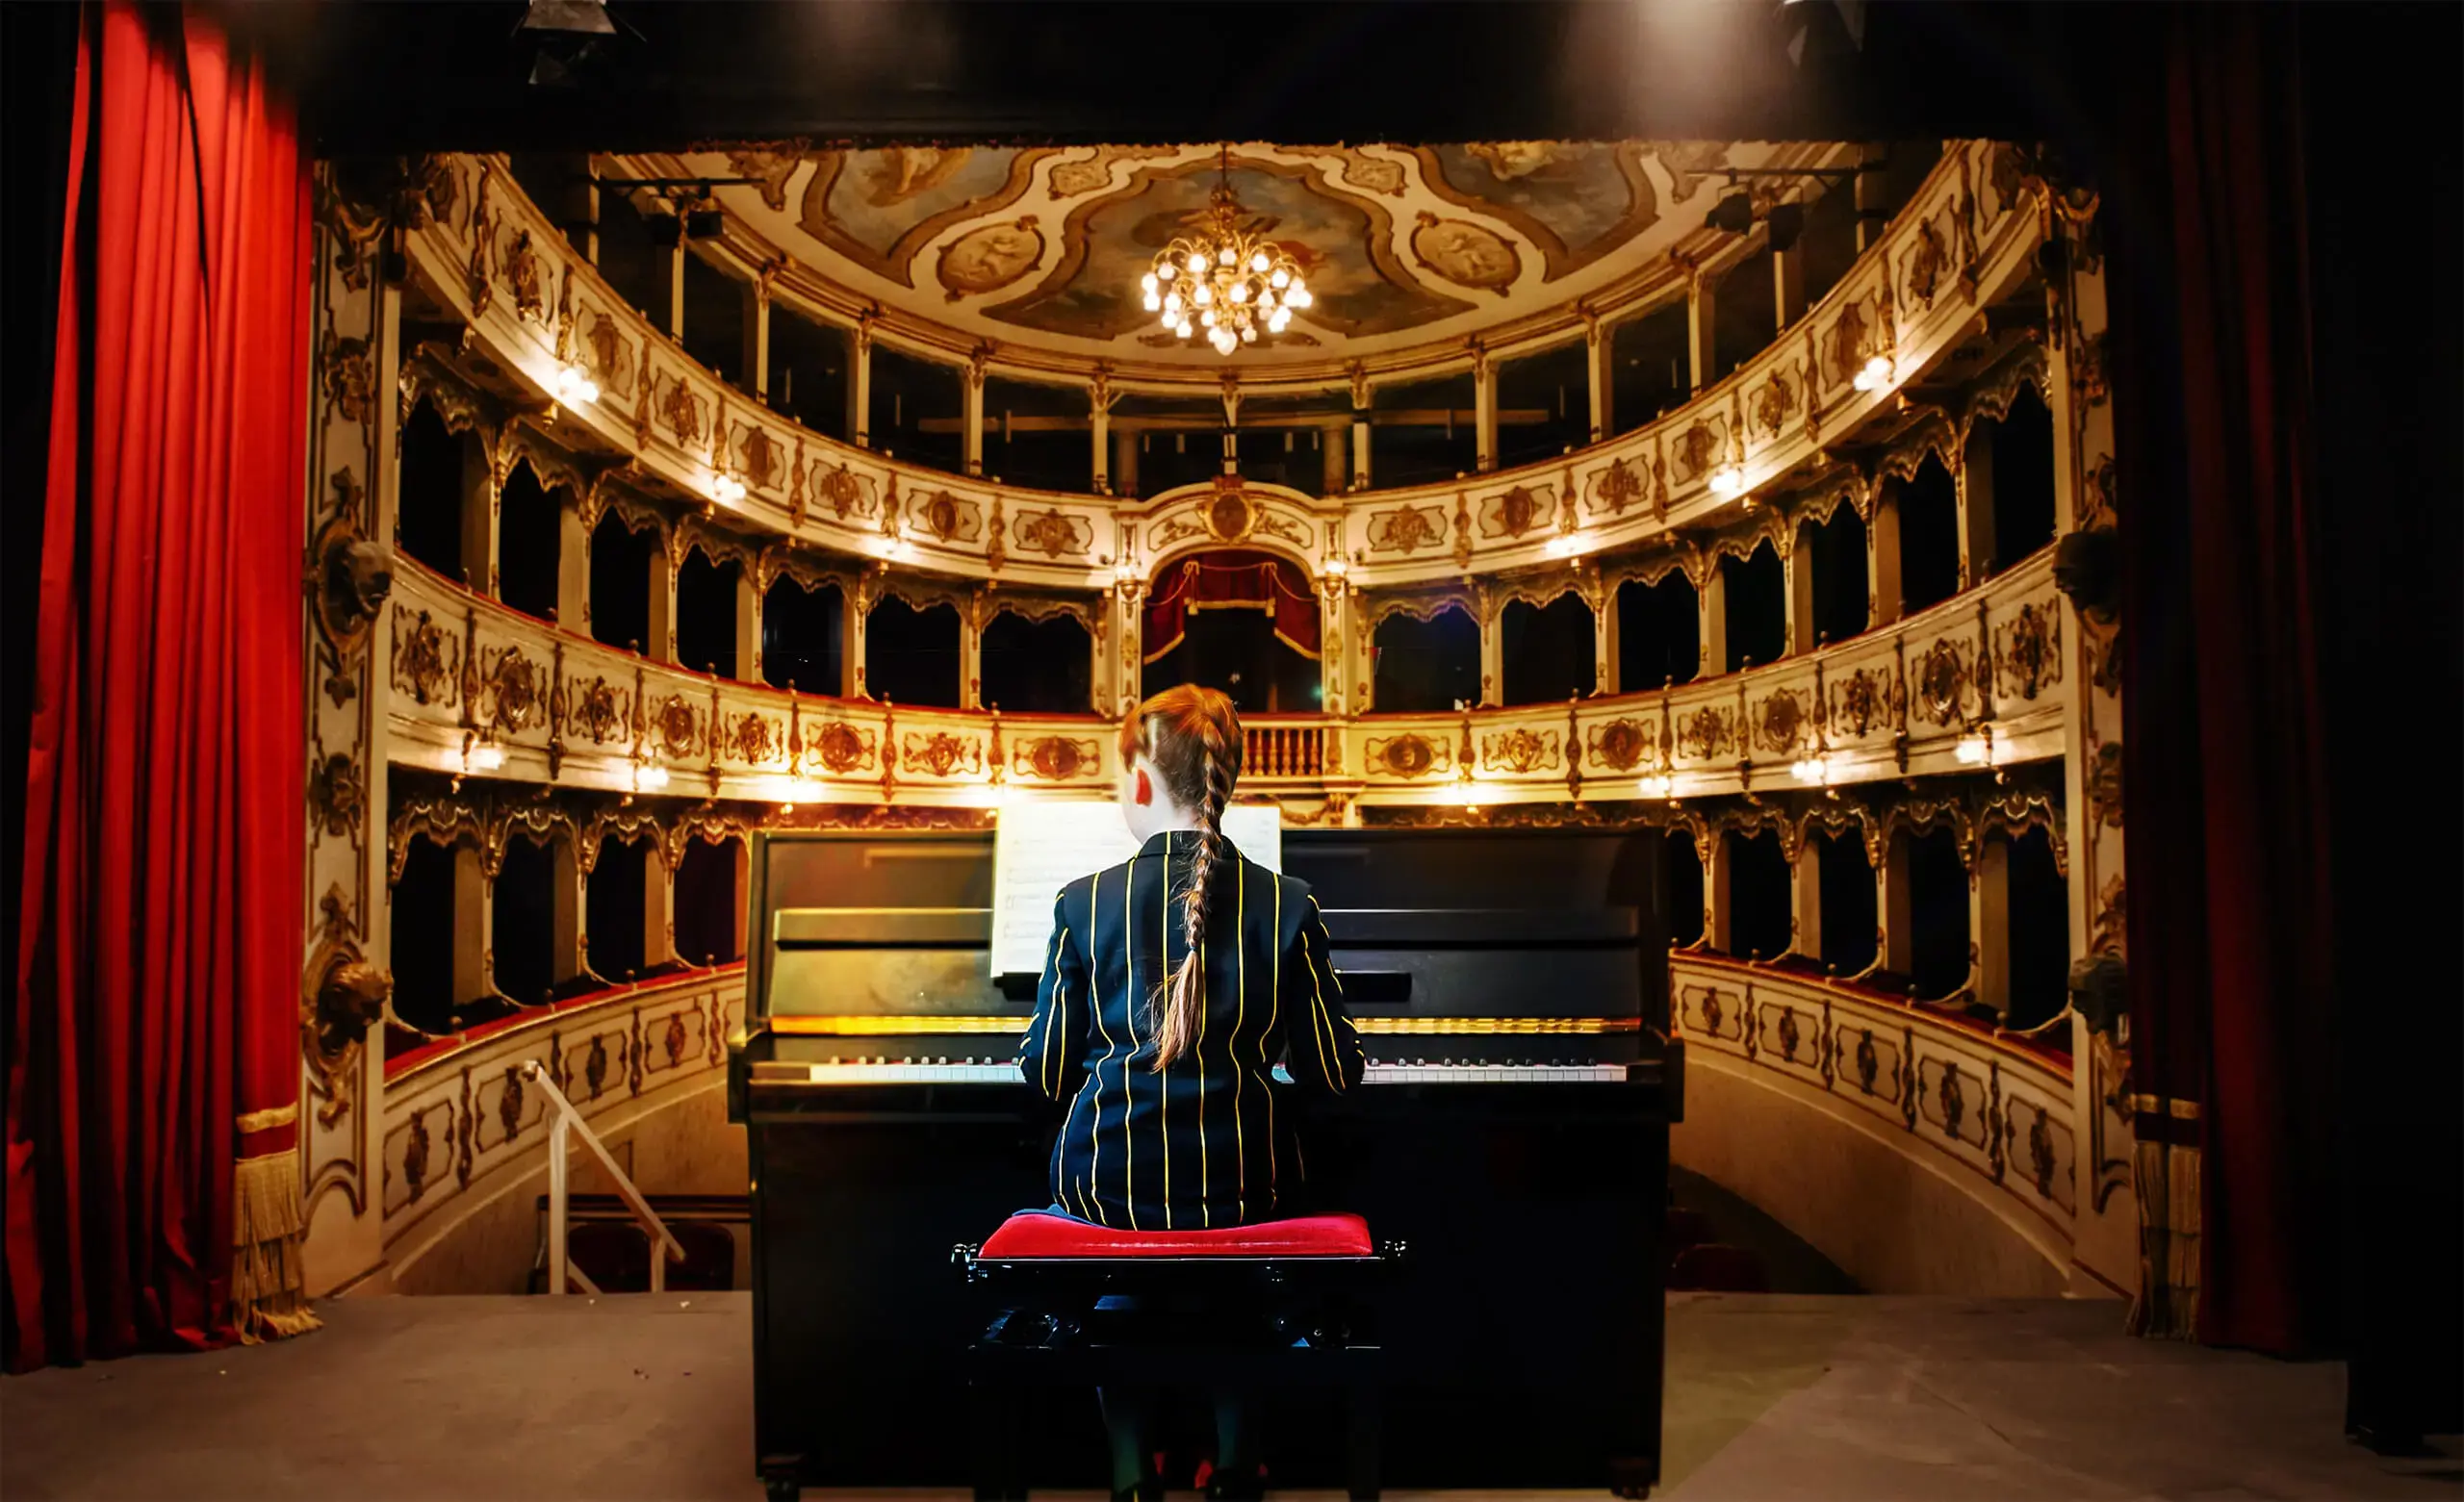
(1035,1234)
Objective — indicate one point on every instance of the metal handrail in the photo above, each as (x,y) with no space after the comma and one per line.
(664,1247)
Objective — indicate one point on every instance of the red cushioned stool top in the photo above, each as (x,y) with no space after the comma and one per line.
(1035,1233)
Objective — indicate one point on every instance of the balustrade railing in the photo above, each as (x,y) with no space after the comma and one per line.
(1975,682)
(1281,750)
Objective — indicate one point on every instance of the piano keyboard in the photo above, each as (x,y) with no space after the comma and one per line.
(941,1070)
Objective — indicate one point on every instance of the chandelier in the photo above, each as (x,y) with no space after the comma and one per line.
(1220,278)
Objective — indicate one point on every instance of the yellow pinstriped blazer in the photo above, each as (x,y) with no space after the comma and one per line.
(1196,1144)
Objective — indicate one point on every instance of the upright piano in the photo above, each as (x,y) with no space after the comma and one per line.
(1508,987)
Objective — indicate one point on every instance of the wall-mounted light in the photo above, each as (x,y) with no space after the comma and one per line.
(648,778)
(482,757)
(1976,748)
(1728,482)
(727,489)
(1815,769)
(1659,785)
(574,385)
(1874,375)
(1565,546)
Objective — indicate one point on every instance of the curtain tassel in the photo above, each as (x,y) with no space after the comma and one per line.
(2166,1306)
(268,1281)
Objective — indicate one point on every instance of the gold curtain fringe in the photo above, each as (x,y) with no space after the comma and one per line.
(269,1283)
(2166,1306)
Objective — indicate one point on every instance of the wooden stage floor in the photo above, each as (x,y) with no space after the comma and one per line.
(1770,1397)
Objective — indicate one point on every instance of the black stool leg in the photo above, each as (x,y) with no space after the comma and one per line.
(1362,1423)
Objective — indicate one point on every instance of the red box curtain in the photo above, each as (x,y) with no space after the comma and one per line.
(1233,581)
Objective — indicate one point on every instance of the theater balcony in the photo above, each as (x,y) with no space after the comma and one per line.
(1744,503)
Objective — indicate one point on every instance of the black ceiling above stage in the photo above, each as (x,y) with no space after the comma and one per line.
(403,77)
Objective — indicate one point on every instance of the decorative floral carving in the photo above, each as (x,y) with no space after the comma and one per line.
(350,377)
(1941,682)
(843,746)
(1847,344)
(1519,750)
(510,1103)
(2028,650)
(1862,699)
(1789,1034)
(1953,1100)
(1696,448)
(755,739)
(1925,265)
(1053,533)
(2104,783)
(1619,487)
(1405,755)
(337,794)
(425,660)
(522,274)
(1405,529)
(415,1151)
(597,710)
(1706,733)
(513,690)
(1619,744)
(684,413)
(1783,722)
(1774,403)
(762,458)
(940,752)
(677,724)
(1514,513)
(1055,758)
(1868,1061)
(1230,515)
(675,1039)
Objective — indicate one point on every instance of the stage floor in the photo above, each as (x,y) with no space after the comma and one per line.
(1770,1397)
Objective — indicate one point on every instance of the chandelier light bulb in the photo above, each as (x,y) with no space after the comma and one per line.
(1245,283)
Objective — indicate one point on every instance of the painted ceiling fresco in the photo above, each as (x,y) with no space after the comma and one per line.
(1402,245)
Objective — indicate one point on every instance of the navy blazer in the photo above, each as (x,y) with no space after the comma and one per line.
(1194,1144)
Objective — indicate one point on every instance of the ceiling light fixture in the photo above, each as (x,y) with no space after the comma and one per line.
(1234,285)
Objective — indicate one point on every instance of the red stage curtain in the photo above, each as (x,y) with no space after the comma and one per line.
(2233,1058)
(153,1079)
(1228,581)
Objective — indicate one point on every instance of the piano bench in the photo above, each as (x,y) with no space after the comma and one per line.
(1266,1306)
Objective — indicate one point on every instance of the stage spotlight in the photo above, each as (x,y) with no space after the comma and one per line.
(1783,225)
(1733,214)
(568,33)
(705,221)
(667,231)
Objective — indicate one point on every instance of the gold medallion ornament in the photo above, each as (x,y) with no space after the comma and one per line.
(1223,279)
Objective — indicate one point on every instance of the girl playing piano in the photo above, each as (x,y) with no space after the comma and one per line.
(1173,985)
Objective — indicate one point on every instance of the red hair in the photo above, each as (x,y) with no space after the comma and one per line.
(1192,736)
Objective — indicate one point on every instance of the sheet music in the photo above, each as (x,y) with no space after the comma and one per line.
(1042,845)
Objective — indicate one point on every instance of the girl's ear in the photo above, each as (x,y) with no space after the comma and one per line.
(1145,789)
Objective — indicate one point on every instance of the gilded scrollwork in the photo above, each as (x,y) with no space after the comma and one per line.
(428,663)
(2027,653)
(1405,529)
(1783,723)
(676,728)
(940,752)
(1941,683)
(1520,750)
(337,794)
(513,690)
(1706,733)
(843,746)
(1619,746)
(1407,756)
(1864,701)
(1054,759)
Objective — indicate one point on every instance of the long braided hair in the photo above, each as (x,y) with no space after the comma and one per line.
(1192,736)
